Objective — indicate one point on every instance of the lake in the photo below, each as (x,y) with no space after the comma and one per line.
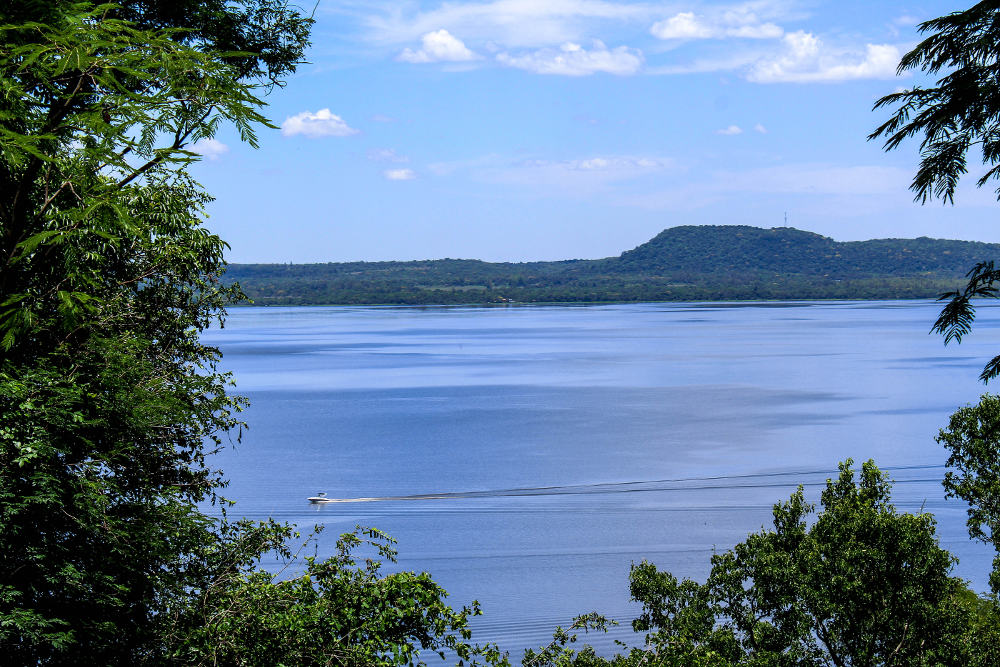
(563,443)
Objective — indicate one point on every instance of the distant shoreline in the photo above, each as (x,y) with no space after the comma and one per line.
(540,304)
(691,263)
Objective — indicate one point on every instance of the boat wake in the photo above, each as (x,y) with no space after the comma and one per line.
(746,481)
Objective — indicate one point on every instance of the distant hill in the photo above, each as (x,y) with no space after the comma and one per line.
(681,263)
(726,249)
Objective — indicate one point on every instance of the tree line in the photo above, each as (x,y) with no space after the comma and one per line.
(686,263)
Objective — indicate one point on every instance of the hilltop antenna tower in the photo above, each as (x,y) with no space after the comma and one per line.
(786,218)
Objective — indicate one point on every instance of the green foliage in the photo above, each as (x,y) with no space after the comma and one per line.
(973,443)
(341,611)
(260,39)
(102,463)
(858,584)
(95,120)
(981,640)
(106,277)
(109,403)
(558,652)
(957,316)
(960,111)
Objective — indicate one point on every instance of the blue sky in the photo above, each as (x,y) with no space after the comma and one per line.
(520,130)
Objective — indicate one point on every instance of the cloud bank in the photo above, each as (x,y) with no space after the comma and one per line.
(734,23)
(571,59)
(805,59)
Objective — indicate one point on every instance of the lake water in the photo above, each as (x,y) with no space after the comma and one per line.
(567,442)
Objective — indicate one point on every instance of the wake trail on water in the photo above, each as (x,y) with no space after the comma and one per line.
(716,482)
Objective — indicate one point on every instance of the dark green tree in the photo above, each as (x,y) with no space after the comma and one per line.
(339,611)
(973,443)
(106,277)
(109,403)
(857,584)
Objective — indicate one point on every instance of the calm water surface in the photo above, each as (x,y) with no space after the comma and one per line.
(565,443)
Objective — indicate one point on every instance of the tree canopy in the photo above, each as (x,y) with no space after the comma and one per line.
(110,405)
(973,443)
(685,263)
(858,583)
(106,278)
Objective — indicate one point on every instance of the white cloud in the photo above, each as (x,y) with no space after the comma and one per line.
(399,174)
(323,123)
(760,128)
(682,26)
(731,130)
(573,60)
(438,46)
(386,155)
(737,21)
(211,148)
(806,59)
(802,57)
(512,23)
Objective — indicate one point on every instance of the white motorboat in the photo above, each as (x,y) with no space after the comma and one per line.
(320,498)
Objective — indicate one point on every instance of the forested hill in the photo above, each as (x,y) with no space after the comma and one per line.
(680,263)
(727,249)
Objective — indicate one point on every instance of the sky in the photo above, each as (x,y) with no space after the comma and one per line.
(524,130)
